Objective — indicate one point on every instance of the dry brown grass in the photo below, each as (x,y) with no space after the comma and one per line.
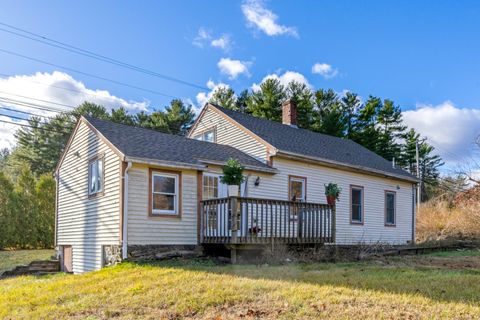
(437,221)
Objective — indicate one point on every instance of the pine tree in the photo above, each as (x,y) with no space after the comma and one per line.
(350,106)
(390,129)
(45,204)
(224,97)
(266,103)
(242,101)
(366,132)
(121,115)
(328,116)
(179,117)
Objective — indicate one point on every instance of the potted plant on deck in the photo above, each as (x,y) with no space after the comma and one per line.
(332,191)
(233,176)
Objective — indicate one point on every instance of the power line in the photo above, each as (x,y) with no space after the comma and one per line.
(30,105)
(91,54)
(86,74)
(27,113)
(30,126)
(46,101)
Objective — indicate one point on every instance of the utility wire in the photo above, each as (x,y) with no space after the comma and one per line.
(30,105)
(29,126)
(28,113)
(86,74)
(46,101)
(91,54)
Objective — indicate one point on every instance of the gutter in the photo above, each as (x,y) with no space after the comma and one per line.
(341,165)
(162,163)
(247,167)
(125,212)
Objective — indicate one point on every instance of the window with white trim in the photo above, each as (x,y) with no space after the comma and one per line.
(95,176)
(390,208)
(208,135)
(297,189)
(164,193)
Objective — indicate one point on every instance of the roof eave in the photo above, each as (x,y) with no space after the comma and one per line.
(247,167)
(340,165)
(163,163)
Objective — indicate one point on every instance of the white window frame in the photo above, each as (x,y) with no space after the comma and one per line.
(201,136)
(303,180)
(175,210)
(93,163)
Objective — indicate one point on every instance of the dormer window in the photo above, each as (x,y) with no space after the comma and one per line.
(207,135)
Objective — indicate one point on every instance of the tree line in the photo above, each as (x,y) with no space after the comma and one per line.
(27,185)
(376,123)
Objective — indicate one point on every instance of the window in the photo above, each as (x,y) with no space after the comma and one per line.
(210,191)
(297,189)
(95,176)
(210,187)
(164,193)
(356,204)
(390,208)
(207,135)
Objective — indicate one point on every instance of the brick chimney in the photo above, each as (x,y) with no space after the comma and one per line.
(289,113)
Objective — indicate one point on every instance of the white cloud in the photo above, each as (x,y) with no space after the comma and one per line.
(284,79)
(56,87)
(223,42)
(204,97)
(450,129)
(202,37)
(205,37)
(7,140)
(265,20)
(233,68)
(325,70)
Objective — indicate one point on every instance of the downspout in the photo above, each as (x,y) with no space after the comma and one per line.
(414,189)
(55,240)
(125,211)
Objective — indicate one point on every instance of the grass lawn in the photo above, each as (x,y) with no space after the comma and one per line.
(457,253)
(11,259)
(383,289)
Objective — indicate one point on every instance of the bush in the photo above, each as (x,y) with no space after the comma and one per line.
(436,220)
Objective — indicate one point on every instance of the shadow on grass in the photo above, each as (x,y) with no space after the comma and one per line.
(431,283)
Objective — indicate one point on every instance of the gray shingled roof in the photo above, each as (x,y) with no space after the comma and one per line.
(150,144)
(317,145)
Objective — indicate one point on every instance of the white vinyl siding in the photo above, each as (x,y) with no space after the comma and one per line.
(88,224)
(229,134)
(373,228)
(145,230)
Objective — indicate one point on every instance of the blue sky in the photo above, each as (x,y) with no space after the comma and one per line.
(422,54)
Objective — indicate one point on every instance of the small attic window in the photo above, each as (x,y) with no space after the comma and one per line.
(207,135)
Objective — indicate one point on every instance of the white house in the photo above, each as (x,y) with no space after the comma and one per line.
(124,191)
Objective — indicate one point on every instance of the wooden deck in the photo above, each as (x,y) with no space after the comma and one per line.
(266,221)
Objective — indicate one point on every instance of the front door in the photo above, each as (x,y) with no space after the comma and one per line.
(67,259)
(218,218)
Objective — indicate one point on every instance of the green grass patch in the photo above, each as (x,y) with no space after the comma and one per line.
(11,259)
(202,290)
(456,253)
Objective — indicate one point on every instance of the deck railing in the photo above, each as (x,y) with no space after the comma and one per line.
(266,221)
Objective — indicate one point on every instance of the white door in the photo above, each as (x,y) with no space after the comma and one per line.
(218,222)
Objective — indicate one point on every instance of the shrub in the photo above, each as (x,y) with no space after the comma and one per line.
(436,220)
(233,173)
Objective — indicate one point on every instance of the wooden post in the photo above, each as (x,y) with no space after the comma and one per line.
(334,223)
(234,228)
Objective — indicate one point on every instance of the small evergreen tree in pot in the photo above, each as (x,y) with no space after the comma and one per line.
(332,191)
(233,176)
